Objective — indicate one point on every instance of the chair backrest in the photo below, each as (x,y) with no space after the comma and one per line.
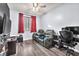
(50,32)
(40,31)
(66,35)
(20,38)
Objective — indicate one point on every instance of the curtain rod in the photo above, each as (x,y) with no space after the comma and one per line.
(27,15)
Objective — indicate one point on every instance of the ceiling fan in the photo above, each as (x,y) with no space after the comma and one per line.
(37,6)
(43,6)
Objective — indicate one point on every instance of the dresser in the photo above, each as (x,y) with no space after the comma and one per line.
(11,46)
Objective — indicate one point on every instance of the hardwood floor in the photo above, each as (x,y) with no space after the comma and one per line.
(32,48)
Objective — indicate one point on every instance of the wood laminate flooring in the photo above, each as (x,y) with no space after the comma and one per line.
(32,48)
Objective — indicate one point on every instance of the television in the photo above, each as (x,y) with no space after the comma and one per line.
(1,25)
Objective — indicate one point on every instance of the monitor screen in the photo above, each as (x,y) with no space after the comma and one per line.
(1,25)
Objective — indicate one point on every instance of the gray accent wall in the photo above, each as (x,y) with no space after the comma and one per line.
(4,9)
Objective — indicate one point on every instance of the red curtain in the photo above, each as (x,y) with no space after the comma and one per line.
(33,24)
(21,23)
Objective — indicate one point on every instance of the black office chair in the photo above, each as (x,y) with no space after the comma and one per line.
(67,40)
(20,38)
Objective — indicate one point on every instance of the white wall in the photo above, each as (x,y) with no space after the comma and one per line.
(14,22)
(14,26)
(62,16)
(38,22)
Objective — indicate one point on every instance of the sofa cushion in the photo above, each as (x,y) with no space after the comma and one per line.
(42,36)
(41,39)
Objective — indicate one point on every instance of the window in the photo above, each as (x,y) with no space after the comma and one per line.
(27,23)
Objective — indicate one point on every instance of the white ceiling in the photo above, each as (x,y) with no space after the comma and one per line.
(27,8)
